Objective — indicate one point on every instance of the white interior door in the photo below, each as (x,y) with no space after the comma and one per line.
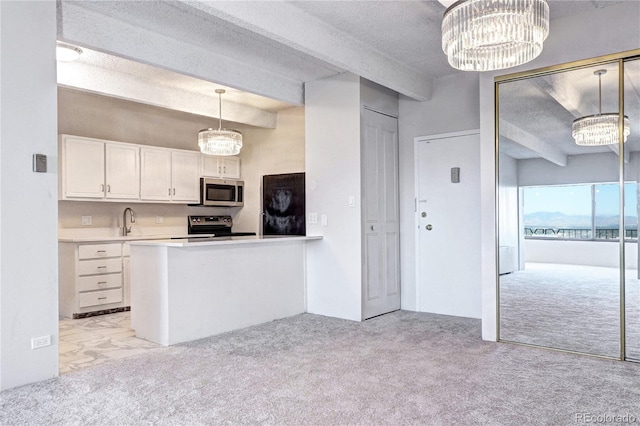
(381,245)
(448,225)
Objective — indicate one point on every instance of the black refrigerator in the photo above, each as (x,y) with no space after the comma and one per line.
(283,204)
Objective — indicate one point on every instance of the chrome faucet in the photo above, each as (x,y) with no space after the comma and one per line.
(126,230)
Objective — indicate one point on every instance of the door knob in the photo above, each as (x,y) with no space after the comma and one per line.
(429,227)
(424,214)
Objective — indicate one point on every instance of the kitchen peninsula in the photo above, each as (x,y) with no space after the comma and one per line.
(188,289)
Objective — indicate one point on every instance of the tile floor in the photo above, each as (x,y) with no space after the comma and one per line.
(94,340)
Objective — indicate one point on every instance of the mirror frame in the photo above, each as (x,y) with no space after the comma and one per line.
(616,58)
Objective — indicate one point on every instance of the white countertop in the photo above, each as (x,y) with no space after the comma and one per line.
(189,242)
(93,239)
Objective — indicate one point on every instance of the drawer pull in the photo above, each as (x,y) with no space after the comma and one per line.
(102,298)
(102,282)
(102,267)
(101,252)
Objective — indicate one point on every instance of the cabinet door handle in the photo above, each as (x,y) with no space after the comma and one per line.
(218,169)
(174,191)
(102,187)
(169,192)
(108,188)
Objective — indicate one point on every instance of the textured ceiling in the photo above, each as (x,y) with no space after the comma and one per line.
(264,52)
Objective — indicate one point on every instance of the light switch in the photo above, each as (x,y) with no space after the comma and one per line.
(352,201)
(313,218)
(87,220)
(323,220)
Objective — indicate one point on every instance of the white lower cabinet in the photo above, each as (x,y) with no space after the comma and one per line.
(126,276)
(90,278)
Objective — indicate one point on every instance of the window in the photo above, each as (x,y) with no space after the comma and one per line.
(581,212)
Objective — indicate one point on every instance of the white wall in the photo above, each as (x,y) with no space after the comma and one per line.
(265,151)
(588,168)
(28,200)
(509,214)
(570,39)
(332,119)
(593,253)
(453,107)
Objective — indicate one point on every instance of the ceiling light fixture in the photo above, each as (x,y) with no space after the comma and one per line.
(486,35)
(66,52)
(599,129)
(219,141)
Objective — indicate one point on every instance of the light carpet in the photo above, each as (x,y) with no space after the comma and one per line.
(570,307)
(402,368)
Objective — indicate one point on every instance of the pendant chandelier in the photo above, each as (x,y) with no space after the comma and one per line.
(219,141)
(599,129)
(486,35)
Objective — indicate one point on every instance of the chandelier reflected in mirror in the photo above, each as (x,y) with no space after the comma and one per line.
(486,35)
(599,129)
(219,141)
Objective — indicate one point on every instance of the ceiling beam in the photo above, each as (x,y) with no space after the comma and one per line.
(107,27)
(108,82)
(570,102)
(544,149)
(290,26)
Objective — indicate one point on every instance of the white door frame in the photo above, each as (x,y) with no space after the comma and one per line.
(416,187)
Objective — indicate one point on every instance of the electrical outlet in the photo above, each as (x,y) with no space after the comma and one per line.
(159,219)
(313,218)
(87,220)
(40,342)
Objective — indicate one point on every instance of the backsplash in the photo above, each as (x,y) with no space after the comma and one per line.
(106,218)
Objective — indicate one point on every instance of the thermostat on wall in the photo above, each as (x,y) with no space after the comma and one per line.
(39,163)
(455,175)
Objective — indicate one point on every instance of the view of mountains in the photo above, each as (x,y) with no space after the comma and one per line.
(561,220)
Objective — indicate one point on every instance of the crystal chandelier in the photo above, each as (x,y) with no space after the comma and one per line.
(486,35)
(599,129)
(219,141)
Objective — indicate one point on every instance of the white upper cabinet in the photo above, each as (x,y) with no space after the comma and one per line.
(93,168)
(122,164)
(155,174)
(100,170)
(185,174)
(221,167)
(82,171)
(169,175)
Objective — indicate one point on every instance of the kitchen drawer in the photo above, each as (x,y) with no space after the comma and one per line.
(96,251)
(99,282)
(101,266)
(103,297)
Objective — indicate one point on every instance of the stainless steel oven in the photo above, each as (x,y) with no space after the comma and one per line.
(221,192)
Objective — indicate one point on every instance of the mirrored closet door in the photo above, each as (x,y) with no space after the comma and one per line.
(568,208)
(632,174)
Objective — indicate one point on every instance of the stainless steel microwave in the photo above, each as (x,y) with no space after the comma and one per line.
(221,192)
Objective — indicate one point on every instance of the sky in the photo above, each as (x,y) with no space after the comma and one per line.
(576,199)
